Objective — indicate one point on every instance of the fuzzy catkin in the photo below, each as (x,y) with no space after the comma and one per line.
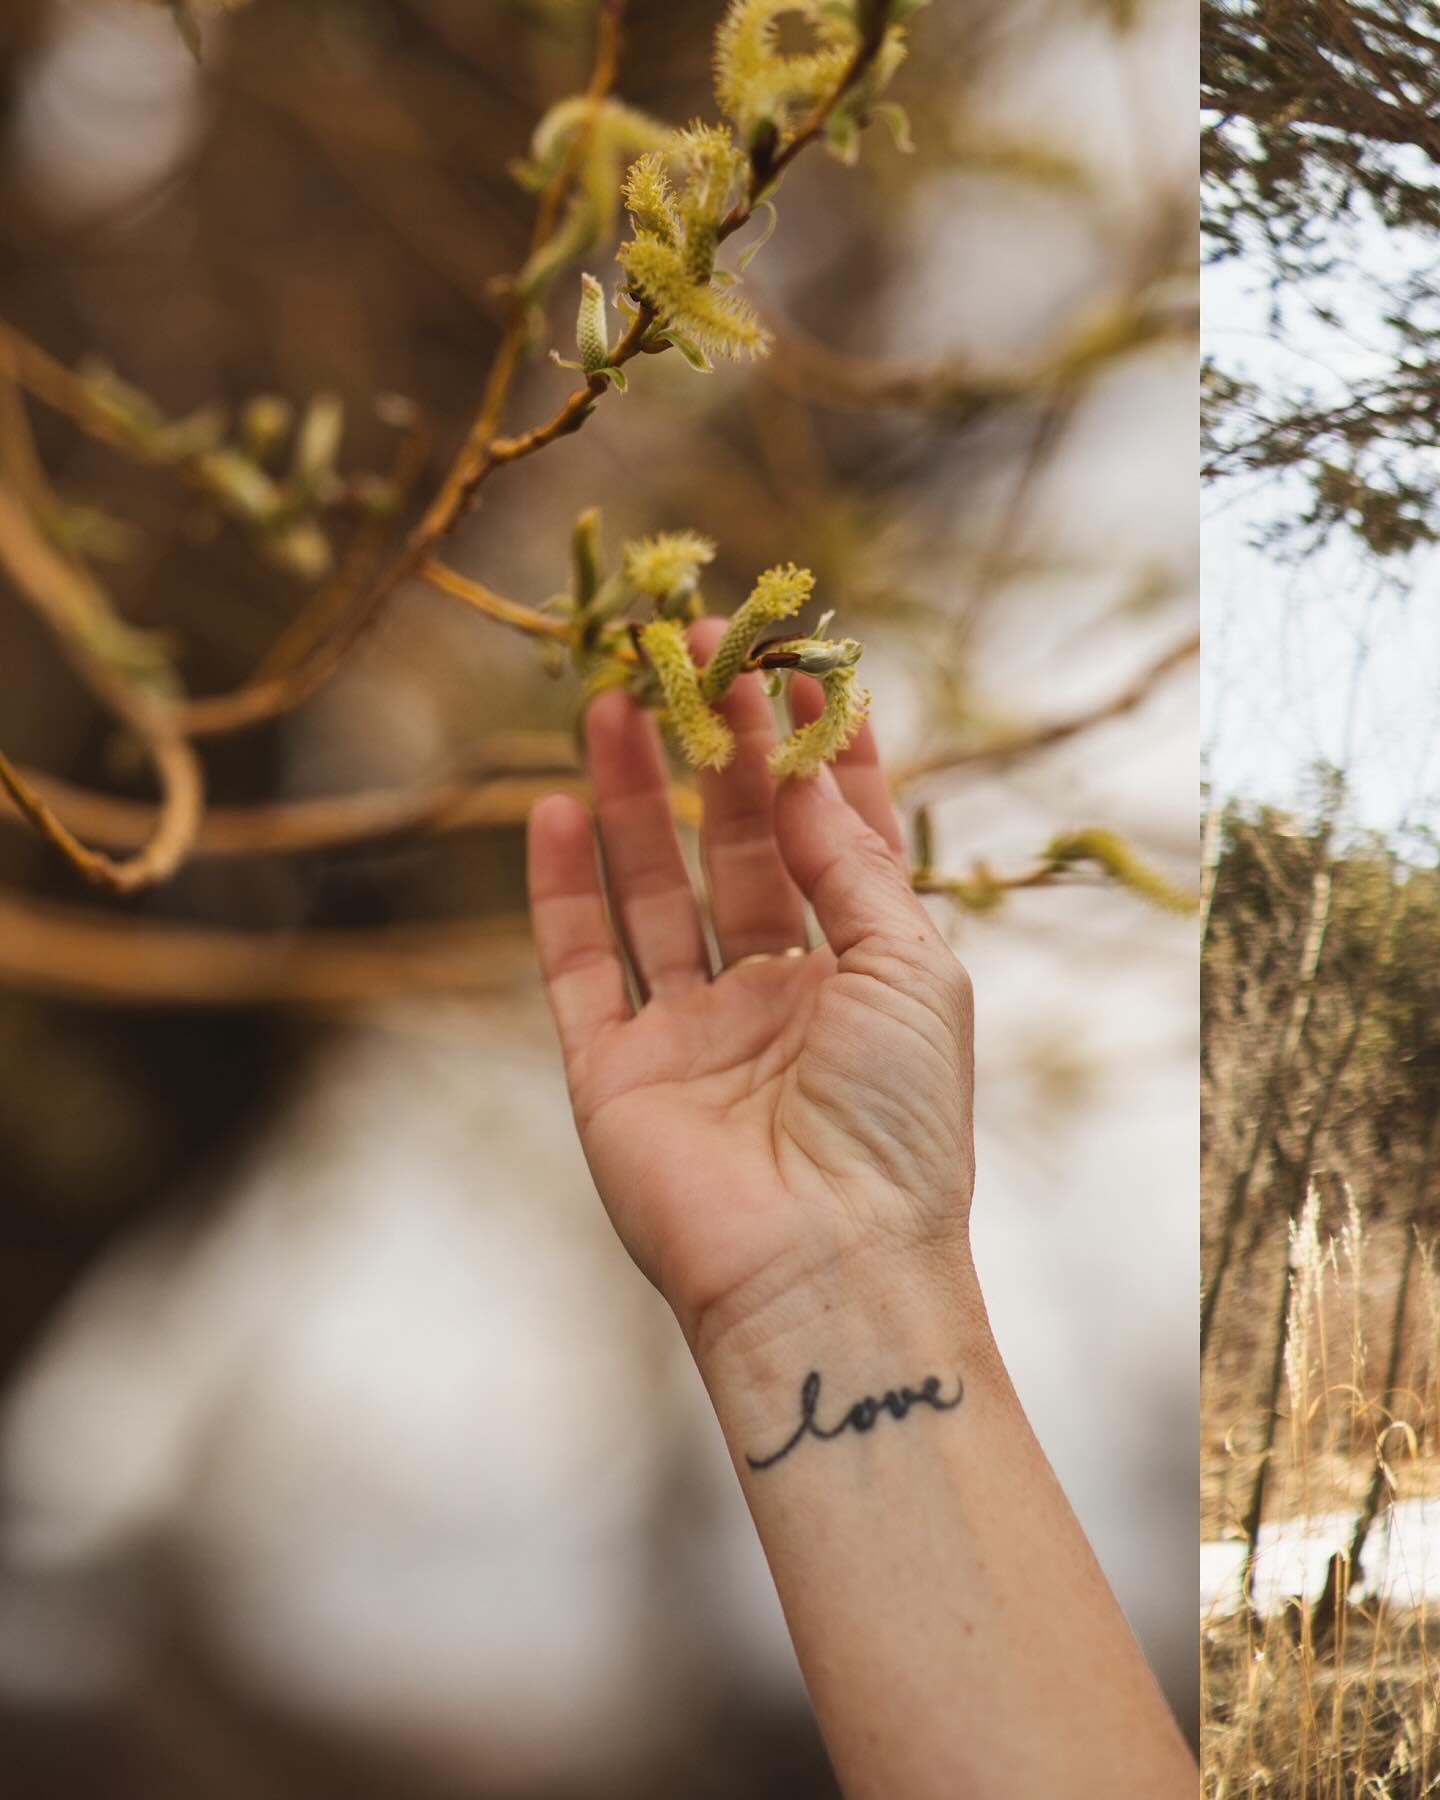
(778,593)
(719,322)
(667,566)
(1120,862)
(650,199)
(755,83)
(705,740)
(805,750)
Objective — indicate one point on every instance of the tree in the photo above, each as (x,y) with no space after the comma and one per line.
(1322,134)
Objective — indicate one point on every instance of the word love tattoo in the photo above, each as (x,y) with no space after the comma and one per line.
(862,1415)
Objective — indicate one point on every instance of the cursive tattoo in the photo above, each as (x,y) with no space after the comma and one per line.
(862,1415)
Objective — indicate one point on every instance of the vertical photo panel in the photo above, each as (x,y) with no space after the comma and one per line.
(1320,911)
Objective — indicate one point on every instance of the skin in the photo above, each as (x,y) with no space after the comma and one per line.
(785,1149)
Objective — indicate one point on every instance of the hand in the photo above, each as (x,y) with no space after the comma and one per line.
(748,1130)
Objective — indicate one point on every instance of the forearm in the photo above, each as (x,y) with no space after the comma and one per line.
(955,1632)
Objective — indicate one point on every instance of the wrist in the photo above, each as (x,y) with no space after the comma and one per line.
(871,1318)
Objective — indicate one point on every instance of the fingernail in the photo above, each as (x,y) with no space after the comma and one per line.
(826,782)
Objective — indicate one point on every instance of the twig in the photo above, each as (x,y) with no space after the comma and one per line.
(494,606)
(998,553)
(1007,749)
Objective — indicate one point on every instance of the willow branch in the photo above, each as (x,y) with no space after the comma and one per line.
(52,585)
(1000,751)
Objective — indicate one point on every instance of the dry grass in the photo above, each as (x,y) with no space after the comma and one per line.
(1356,1719)
(1291,1708)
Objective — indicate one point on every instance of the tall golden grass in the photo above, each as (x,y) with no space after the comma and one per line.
(1294,1704)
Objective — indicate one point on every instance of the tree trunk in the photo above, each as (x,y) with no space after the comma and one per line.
(1255,1512)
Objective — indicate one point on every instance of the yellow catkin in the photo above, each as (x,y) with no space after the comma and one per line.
(716,321)
(705,740)
(755,84)
(650,199)
(1121,863)
(667,567)
(778,594)
(713,161)
(806,750)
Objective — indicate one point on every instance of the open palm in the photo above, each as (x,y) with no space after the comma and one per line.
(747,1127)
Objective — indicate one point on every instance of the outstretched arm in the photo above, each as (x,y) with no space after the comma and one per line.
(784,1147)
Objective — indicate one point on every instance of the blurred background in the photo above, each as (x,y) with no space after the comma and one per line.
(341,1449)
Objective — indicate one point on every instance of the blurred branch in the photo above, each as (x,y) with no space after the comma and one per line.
(982,890)
(1000,751)
(61,592)
(384,150)
(318,618)
(955,388)
(269,697)
(58,950)
(235,471)
(500,801)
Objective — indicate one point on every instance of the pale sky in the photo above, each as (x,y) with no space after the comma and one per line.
(1281,638)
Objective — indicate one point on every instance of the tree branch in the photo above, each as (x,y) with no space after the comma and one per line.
(1000,751)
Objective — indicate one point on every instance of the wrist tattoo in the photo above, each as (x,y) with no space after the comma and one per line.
(862,1415)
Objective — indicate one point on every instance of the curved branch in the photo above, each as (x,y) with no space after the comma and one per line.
(61,593)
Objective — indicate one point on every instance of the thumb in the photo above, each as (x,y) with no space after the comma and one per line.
(849,874)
